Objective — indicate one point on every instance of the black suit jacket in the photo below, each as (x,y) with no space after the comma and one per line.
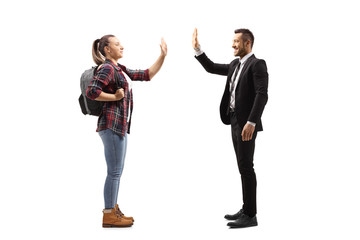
(250,93)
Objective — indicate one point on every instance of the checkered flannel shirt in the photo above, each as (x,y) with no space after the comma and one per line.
(115,114)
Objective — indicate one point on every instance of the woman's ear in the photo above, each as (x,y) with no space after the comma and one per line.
(107,49)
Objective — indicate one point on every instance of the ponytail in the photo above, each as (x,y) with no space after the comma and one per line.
(98,46)
(97,57)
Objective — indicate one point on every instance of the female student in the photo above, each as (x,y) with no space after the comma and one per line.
(111,86)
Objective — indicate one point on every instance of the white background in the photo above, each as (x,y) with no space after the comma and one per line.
(180,175)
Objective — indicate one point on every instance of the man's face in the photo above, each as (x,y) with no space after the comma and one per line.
(239,46)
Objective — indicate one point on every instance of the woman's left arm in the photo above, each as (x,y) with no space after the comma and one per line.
(154,69)
(146,75)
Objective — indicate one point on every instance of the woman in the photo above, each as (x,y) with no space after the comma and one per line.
(110,86)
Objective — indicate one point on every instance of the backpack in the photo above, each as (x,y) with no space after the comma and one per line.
(87,105)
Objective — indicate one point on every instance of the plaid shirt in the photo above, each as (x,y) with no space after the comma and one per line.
(115,114)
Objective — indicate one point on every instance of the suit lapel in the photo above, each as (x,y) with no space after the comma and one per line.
(246,67)
(232,71)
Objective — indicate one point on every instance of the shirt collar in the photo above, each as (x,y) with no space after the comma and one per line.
(111,62)
(246,57)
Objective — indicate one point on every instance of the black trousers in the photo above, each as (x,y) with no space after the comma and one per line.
(245,158)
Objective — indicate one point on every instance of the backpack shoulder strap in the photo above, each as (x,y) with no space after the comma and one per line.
(116,76)
(97,68)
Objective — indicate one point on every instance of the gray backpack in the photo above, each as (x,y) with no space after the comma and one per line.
(88,106)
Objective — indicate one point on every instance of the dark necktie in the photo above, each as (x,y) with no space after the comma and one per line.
(232,83)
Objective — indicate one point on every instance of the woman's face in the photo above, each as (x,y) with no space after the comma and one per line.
(115,49)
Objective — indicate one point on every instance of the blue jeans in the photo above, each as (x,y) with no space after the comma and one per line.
(115,151)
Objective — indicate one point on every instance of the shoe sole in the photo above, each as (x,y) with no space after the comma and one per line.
(115,226)
(253,225)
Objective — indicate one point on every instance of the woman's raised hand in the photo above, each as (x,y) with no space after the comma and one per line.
(163,47)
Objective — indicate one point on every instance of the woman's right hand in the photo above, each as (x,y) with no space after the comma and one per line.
(119,94)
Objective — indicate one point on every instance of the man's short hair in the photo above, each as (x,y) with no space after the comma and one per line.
(246,35)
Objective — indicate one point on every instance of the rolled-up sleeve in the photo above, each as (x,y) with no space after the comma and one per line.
(136,75)
(101,79)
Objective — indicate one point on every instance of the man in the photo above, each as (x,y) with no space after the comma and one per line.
(242,104)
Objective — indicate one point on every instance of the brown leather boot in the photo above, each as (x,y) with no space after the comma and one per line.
(111,219)
(118,212)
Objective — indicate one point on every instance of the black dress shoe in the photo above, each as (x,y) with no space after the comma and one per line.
(234,216)
(243,221)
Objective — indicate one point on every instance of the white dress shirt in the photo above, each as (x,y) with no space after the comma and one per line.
(236,79)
